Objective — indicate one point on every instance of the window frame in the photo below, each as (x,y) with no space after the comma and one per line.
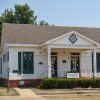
(21,63)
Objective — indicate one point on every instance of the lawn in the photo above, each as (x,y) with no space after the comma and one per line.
(12,92)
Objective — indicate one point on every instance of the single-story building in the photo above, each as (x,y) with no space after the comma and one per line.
(30,52)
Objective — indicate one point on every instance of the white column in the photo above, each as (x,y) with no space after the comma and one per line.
(94,62)
(49,62)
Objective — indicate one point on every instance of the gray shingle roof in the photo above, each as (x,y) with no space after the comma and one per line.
(34,34)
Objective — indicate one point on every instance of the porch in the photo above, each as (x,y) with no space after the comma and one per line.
(64,61)
(73,53)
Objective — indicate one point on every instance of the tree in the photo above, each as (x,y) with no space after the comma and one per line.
(8,16)
(1,20)
(22,14)
(42,22)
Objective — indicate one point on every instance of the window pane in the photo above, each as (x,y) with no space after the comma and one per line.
(25,62)
(19,62)
(28,63)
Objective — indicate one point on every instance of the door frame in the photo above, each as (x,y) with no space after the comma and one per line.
(79,59)
(57,62)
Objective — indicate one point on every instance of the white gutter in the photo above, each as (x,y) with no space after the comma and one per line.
(23,45)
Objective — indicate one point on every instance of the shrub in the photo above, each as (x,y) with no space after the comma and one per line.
(85,83)
(59,83)
(70,83)
(50,83)
(97,81)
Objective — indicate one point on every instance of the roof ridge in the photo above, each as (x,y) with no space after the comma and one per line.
(54,26)
(27,33)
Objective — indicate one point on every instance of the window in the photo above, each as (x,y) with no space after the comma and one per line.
(98,62)
(25,62)
(6,57)
(53,53)
(1,65)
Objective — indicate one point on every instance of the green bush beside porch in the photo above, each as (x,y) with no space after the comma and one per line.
(70,83)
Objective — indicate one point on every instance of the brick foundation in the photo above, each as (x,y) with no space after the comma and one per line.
(27,82)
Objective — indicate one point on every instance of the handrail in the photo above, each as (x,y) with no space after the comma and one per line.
(63,73)
(44,74)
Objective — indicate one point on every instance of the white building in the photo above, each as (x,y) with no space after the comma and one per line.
(32,52)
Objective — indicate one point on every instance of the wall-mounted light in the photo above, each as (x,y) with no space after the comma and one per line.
(41,63)
(64,61)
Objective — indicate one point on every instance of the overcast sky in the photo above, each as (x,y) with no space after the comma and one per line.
(62,12)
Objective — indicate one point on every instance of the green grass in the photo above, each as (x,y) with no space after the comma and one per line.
(12,92)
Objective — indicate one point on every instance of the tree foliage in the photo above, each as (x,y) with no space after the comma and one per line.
(8,16)
(42,22)
(22,14)
(1,21)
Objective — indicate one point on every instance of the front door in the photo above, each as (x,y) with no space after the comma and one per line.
(75,62)
(54,69)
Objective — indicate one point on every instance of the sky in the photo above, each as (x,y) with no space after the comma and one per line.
(82,13)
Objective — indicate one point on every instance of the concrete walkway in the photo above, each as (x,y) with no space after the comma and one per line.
(25,94)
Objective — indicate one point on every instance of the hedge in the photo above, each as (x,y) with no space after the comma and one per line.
(70,83)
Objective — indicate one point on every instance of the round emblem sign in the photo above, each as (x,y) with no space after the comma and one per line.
(73,38)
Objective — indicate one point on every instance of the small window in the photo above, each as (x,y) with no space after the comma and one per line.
(4,58)
(1,65)
(7,56)
(75,54)
(53,53)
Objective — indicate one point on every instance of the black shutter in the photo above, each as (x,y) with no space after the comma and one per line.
(19,62)
(98,62)
(92,64)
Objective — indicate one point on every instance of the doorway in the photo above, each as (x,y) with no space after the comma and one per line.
(75,62)
(54,69)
